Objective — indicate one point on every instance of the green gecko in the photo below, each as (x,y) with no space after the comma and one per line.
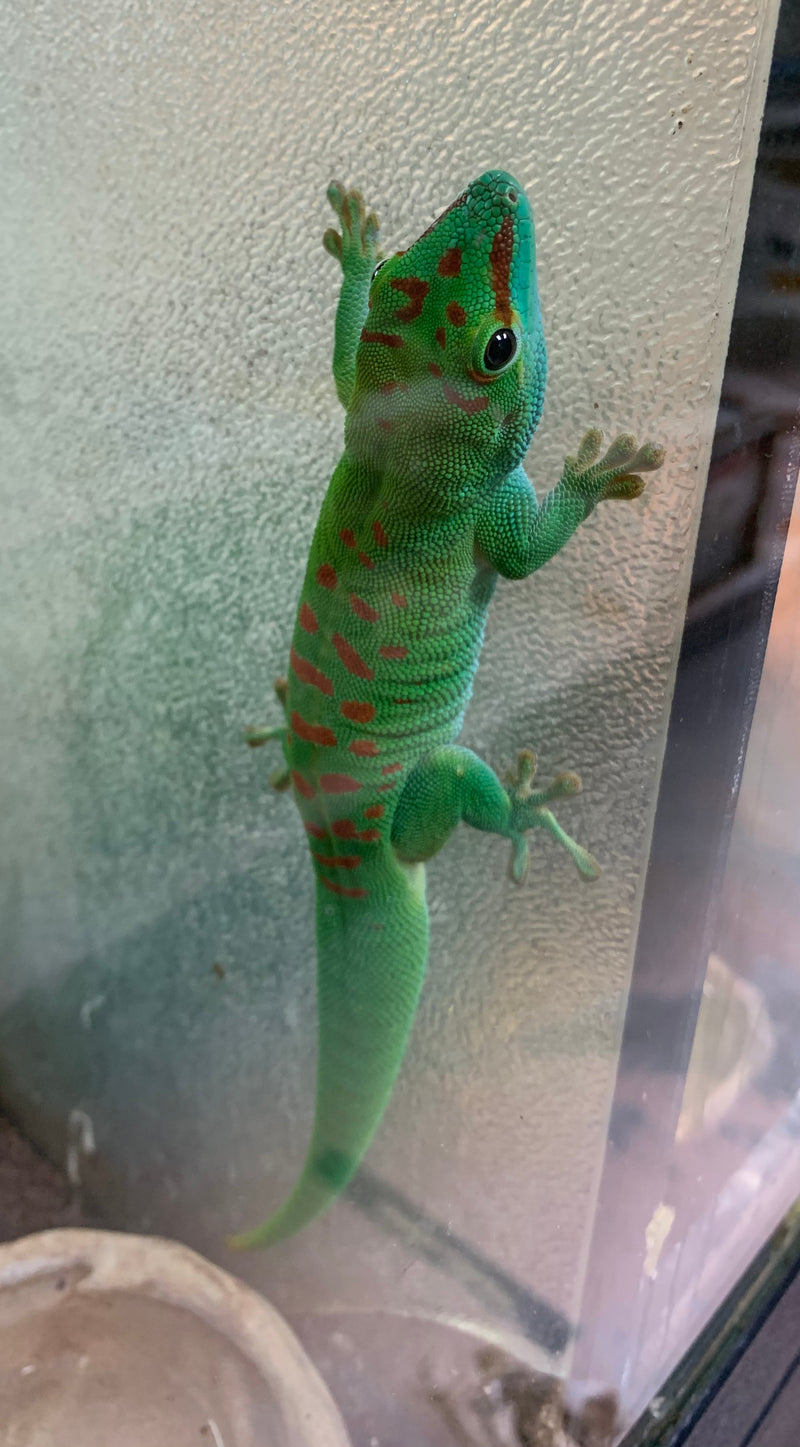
(439,361)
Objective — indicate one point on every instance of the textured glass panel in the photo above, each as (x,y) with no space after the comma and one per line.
(169,425)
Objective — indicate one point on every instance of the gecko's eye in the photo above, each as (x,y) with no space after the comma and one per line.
(500,350)
(378,267)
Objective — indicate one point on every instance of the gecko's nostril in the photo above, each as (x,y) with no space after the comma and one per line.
(512,195)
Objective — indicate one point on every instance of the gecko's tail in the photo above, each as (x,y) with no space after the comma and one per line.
(372,949)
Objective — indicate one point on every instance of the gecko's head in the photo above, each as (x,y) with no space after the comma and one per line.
(451,366)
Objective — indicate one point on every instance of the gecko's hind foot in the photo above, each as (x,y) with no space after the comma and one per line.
(615,476)
(529,811)
(280,778)
(256,738)
(357,246)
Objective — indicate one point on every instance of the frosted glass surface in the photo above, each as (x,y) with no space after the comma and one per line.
(169,424)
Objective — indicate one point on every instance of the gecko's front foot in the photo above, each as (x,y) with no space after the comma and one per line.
(614,476)
(357,246)
(529,811)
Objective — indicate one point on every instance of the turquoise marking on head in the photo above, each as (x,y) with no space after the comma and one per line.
(451,367)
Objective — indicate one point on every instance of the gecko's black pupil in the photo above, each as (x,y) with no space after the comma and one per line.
(500,348)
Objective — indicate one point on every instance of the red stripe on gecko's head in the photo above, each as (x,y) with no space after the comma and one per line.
(416,290)
(450,263)
(500,258)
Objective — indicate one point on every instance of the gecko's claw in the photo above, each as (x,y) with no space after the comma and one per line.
(529,811)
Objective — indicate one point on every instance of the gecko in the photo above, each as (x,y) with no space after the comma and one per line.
(440,363)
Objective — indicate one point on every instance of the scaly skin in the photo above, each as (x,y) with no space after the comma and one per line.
(428,504)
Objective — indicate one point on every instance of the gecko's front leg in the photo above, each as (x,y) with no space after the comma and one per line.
(357,248)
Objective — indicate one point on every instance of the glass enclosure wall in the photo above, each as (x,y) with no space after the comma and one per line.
(169,426)
(703,1156)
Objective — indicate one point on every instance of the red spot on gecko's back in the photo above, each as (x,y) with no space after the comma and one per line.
(346,829)
(313,733)
(450,262)
(363,748)
(500,258)
(336,888)
(309,673)
(337,861)
(389,650)
(352,661)
(307,619)
(399,601)
(455,314)
(434,369)
(326,575)
(362,610)
(366,560)
(339,784)
(302,785)
(383,339)
(391,768)
(379,534)
(386,425)
(467,404)
(357,711)
(375,811)
(441,336)
(416,290)
(314,830)
(348,537)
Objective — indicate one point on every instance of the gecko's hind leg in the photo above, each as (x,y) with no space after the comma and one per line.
(451,784)
(280,778)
